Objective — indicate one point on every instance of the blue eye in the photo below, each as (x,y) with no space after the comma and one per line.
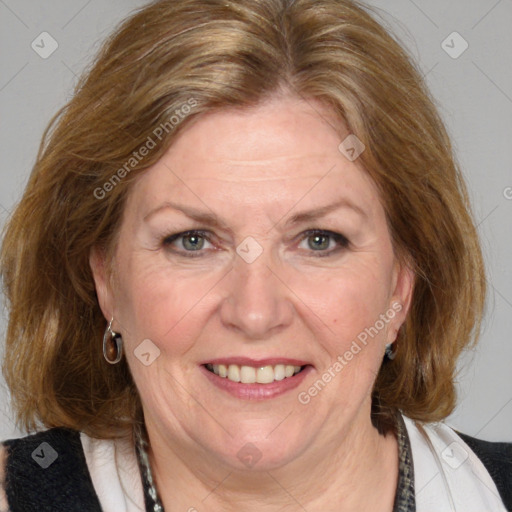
(189,241)
(321,241)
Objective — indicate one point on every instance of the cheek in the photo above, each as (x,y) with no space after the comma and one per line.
(352,331)
(156,303)
(353,297)
(353,334)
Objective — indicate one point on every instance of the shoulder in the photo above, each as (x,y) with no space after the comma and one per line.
(493,453)
(40,451)
(52,460)
(497,459)
(477,473)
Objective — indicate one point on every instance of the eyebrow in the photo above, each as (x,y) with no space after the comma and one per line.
(197,215)
(213,220)
(324,210)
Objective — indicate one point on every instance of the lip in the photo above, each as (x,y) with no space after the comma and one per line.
(257,391)
(257,363)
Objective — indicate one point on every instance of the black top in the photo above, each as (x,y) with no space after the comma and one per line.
(64,485)
(497,458)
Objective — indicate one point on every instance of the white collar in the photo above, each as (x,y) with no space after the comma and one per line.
(115,473)
(448,475)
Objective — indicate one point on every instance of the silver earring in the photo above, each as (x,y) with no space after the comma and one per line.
(112,345)
(389,352)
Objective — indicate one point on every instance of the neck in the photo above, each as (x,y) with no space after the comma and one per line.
(359,473)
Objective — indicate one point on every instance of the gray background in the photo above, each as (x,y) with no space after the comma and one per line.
(474,92)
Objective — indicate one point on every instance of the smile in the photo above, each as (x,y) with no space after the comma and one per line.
(250,374)
(251,379)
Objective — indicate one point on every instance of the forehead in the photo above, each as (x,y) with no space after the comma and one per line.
(268,157)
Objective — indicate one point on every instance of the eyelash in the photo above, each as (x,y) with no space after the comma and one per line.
(341,240)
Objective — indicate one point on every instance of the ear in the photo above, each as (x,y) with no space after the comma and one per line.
(102,281)
(400,301)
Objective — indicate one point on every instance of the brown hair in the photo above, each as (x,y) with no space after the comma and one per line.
(218,54)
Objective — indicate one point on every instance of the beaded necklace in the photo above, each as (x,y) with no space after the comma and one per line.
(151,498)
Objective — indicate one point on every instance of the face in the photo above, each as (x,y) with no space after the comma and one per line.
(255,249)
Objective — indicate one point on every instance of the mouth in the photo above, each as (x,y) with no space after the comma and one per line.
(251,374)
(249,379)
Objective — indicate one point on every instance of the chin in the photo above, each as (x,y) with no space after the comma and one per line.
(261,453)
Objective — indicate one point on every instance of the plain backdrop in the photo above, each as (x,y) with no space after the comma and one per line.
(473,88)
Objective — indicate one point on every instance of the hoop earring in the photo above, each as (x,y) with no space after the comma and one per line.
(112,345)
(389,352)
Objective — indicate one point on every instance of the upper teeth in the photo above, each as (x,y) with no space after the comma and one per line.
(250,375)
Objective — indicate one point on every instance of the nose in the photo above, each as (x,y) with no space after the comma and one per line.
(257,302)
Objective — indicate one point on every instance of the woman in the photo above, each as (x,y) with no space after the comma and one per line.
(242,271)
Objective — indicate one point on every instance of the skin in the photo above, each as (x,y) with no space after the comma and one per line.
(255,169)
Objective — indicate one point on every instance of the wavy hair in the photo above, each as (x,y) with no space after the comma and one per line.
(219,54)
